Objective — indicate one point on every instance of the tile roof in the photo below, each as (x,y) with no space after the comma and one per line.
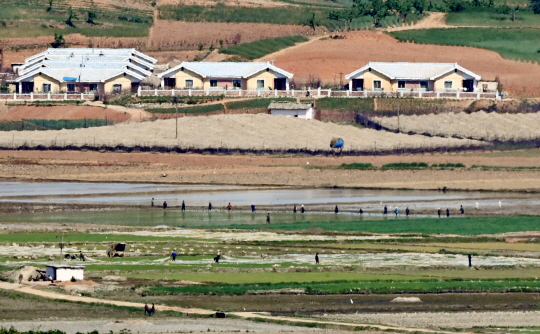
(225,69)
(412,71)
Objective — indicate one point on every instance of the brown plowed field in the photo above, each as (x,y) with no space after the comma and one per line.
(63,112)
(176,35)
(324,58)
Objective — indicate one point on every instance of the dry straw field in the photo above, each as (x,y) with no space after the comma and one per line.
(479,125)
(249,132)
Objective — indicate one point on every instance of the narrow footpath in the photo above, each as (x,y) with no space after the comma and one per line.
(245,315)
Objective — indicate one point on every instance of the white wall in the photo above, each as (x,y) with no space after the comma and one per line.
(65,274)
(300,113)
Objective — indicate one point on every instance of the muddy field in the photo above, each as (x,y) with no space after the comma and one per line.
(69,112)
(469,125)
(326,57)
(271,170)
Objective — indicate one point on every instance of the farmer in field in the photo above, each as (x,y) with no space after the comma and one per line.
(268,218)
(396,211)
(152,202)
(146,310)
(461,210)
(173,255)
(209,206)
(407,212)
(385,212)
(439,212)
(253,208)
(229,207)
(153,309)
(165,205)
(316,258)
(294,209)
(183,206)
(20,278)
(302,209)
(361,211)
(447,212)
(81,256)
(336,210)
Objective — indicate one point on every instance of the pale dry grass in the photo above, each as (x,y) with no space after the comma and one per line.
(232,132)
(479,125)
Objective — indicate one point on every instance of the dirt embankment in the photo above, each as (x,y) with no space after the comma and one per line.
(326,57)
(69,112)
(269,170)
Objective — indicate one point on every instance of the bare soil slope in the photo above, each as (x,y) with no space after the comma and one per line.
(63,112)
(324,58)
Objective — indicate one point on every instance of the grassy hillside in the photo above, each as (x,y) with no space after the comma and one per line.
(33,18)
(263,47)
(491,17)
(516,44)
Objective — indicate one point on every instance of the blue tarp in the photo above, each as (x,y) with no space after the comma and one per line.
(339,143)
(69,79)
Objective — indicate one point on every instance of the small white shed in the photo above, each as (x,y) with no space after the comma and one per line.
(65,273)
(292,109)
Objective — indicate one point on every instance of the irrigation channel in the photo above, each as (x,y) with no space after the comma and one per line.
(136,198)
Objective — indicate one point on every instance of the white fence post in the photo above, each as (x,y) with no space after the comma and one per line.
(82,96)
(189,92)
(258,93)
(330,92)
(207,92)
(319,92)
(48,95)
(172,92)
(14,96)
(275,92)
(139,91)
(438,95)
(348,92)
(420,94)
(65,96)
(239,92)
(457,95)
(32,96)
(478,95)
(292,92)
(155,92)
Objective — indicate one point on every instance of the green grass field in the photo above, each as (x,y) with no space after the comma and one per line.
(189,110)
(32,18)
(246,104)
(515,44)
(263,47)
(48,124)
(491,18)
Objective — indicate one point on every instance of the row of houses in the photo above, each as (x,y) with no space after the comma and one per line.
(123,70)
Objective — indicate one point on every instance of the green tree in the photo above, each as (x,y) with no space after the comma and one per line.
(419,6)
(91,17)
(402,7)
(71,17)
(59,40)
(535,6)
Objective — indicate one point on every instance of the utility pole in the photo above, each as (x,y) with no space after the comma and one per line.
(398,129)
(175,101)
(62,247)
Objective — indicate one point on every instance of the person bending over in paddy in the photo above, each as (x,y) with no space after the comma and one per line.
(165,205)
(336,210)
(461,210)
(385,211)
(302,209)
(152,202)
(268,218)
(361,211)
(146,309)
(407,212)
(253,209)
(316,258)
(209,206)
(294,209)
(439,212)
(447,212)
(229,207)
(396,211)
(183,206)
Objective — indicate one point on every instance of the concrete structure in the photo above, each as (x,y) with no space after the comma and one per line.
(84,70)
(225,76)
(64,272)
(395,77)
(292,109)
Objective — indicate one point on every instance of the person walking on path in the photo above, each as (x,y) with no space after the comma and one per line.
(407,212)
(361,211)
(209,206)
(302,209)
(253,208)
(336,210)
(385,212)
(316,258)
(447,212)
(229,207)
(173,255)
(461,210)
(152,202)
(294,209)
(439,212)
(183,206)
(396,211)
(165,205)
(146,309)
(268,218)
(153,309)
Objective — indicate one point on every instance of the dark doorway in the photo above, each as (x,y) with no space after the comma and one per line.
(27,87)
(468,85)
(358,84)
(280,84)
(170,83)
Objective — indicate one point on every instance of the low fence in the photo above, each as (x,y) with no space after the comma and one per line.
(47,97)
(316,93)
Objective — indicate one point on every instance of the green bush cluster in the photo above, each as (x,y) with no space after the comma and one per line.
(357,165)
(49,124)
(449,165)
(263,47)
(189,110)
(329,103)
(406,165)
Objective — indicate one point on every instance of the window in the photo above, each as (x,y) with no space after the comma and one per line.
(423,85)
(448,85)
(70,88)
(237,83)
(93,87)
(260,84)
(117,88)
(46,88)
(484,87)
(213,83)
(401,84)
(377,85)
(189,83)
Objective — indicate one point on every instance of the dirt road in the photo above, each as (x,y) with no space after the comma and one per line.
(246,315)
